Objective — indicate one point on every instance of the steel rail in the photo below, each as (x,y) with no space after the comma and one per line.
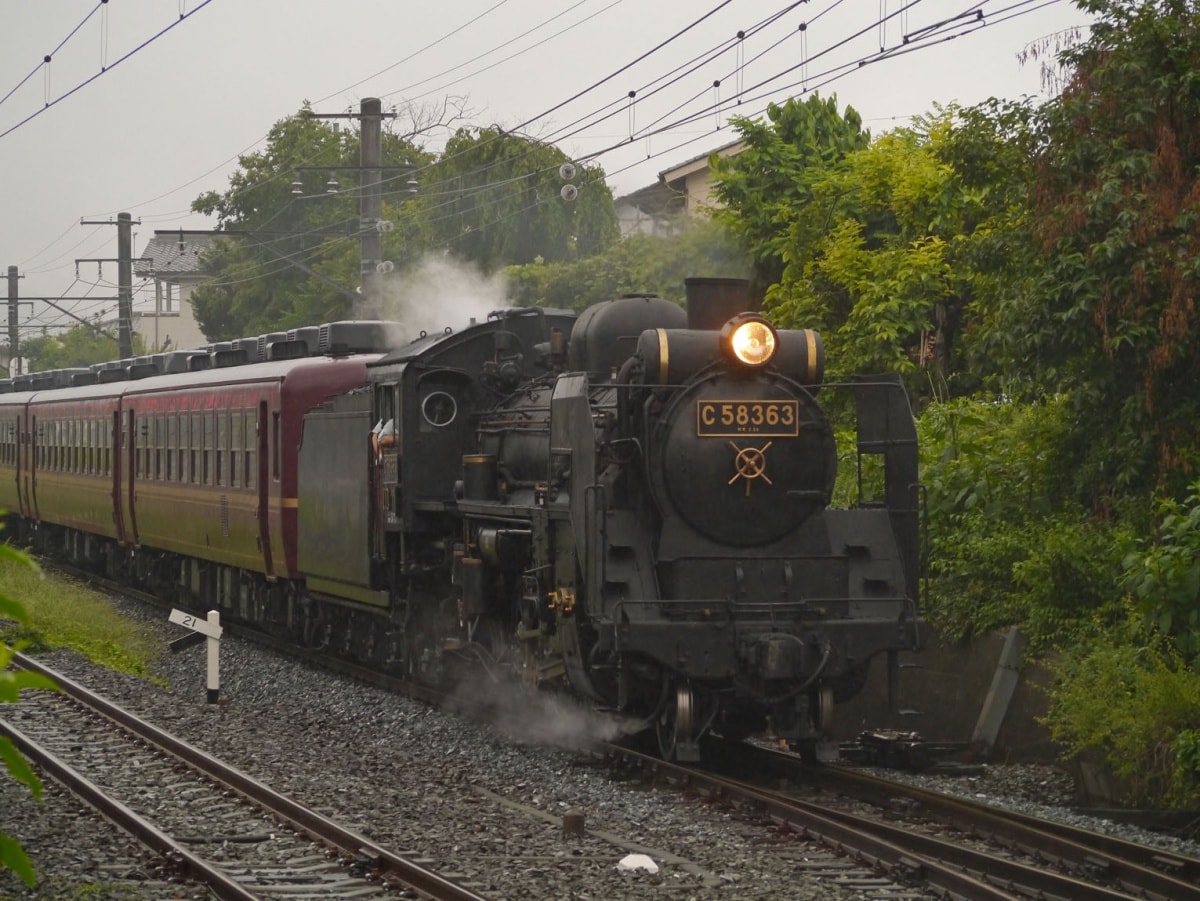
(946,866)
(1141,867)
(298,816)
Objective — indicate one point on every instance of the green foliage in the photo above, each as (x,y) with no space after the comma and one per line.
(1112,315)
(60,612)
(293,259)
(1132,701)
(80,346)
(641,263)
(494,200)
(1008,545)
(1163,573)
(12,683)
(898,241)
(769,186)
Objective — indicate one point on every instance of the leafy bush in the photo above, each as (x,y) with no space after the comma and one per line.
(1008,544)
(1164,573)
(1132,700)
(12,856)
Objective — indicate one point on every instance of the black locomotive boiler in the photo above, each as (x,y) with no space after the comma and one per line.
(633,504)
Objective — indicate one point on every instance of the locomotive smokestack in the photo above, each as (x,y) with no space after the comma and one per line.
(711,302)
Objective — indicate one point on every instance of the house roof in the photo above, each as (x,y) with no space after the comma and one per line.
(657,196)
(699,162)
(174,255)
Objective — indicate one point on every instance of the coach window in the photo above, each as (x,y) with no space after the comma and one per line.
(195,443)
(181,467)
(185,442)
(222,437)
(152,441)
(235,448)
(174,457)
(206,434)
(251,450)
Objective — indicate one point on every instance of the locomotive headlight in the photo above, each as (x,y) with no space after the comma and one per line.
(749,340)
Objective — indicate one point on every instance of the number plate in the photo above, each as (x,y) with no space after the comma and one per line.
(727,418)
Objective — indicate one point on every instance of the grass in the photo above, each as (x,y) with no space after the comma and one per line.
(64,613)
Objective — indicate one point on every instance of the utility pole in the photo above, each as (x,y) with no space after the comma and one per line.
(124,263)
(125,285)
(370,198)
(13,358)
(370,202)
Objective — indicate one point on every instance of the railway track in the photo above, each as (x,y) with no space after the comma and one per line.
(952,847)
(225,829)
(1142,867)
(915,842)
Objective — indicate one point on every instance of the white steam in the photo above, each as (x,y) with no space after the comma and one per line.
(540,718)
(436,294)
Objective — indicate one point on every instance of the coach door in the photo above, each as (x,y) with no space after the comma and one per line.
(124,470)
(25,458)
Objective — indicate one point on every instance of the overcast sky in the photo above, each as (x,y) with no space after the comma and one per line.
(147,103)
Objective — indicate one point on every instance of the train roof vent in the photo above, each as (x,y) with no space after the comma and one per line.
(6,386)
(141,370)
(235,356)
(360,337)
(22,382)
(199,362)
(177,360)
(64,378)
(310,335)
(143,367)
(263,344)
(83,377)
(248,346)
(287,350)
(41,381)
(112,374)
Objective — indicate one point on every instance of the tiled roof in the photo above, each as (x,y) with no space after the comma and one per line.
(170,255)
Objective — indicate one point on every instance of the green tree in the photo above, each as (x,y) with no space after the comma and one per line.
(768,187)
(291,258)
(12,683)
(897,249)
(638,263)
(1115,209)
(79,346)
(494,198)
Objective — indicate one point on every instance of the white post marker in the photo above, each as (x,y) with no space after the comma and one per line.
(210,629)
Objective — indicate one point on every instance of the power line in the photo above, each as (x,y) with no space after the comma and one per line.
(183,17)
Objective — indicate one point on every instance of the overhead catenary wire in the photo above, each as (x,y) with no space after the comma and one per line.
(104,69)
(681,116)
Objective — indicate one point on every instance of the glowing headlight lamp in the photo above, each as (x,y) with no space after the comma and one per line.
(749,340)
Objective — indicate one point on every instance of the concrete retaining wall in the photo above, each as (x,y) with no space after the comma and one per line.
(948,685)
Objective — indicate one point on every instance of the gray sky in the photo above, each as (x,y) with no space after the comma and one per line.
(123,121)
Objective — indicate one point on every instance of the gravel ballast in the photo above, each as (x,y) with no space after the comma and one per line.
(480,799)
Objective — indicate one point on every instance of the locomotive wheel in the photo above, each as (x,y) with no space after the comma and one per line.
(822,707)
(676,724)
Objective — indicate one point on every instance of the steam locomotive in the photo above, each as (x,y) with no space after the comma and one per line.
(632,504)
